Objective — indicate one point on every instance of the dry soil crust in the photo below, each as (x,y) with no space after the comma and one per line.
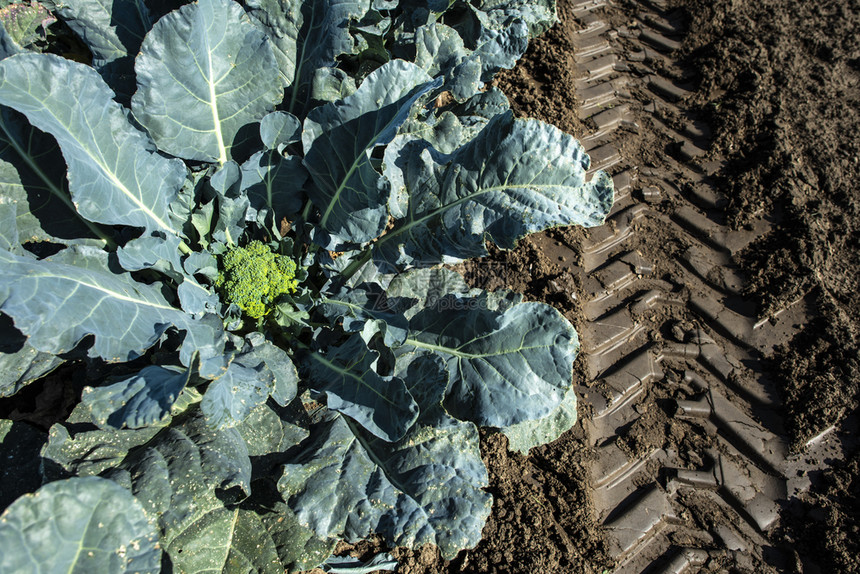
(780,80)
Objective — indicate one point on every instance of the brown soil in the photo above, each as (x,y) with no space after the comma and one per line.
(823,527)
(780,81)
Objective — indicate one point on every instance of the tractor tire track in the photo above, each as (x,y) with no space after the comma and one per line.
(673,350)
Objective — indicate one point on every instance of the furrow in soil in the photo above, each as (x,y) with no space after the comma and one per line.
(692,462)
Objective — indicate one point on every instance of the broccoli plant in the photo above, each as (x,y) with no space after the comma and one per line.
(235,218)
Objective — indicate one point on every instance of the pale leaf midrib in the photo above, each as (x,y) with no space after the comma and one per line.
(106,291)
(213,105)
(462,355)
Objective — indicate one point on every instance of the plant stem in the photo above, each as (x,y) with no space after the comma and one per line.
(358,263)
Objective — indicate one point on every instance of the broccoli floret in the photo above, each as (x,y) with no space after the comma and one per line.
(253,277)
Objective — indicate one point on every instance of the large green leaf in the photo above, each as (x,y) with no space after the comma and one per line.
(270,432)
(451,129)
(329,85)
(245,385)
(225,540)
(278,362)
(306,35)
(445,133)
(115,175)
(79,448)
(182,477)
(280,129)
(509,362)
(78,525)
(505,367)
(33,178)
(8,227)
(205,76)
(219,458)
(346,374)
(424,488)
(515,178)
(441,50)
(338,139)
(20,363)
(260,370)
(361,308)
(298,547)
(540,15)
(274,184)
(157,251)
(113,31)
(58,301)
(143,399)
(486,106)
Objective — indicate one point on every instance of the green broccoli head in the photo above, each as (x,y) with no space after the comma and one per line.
(253,277)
